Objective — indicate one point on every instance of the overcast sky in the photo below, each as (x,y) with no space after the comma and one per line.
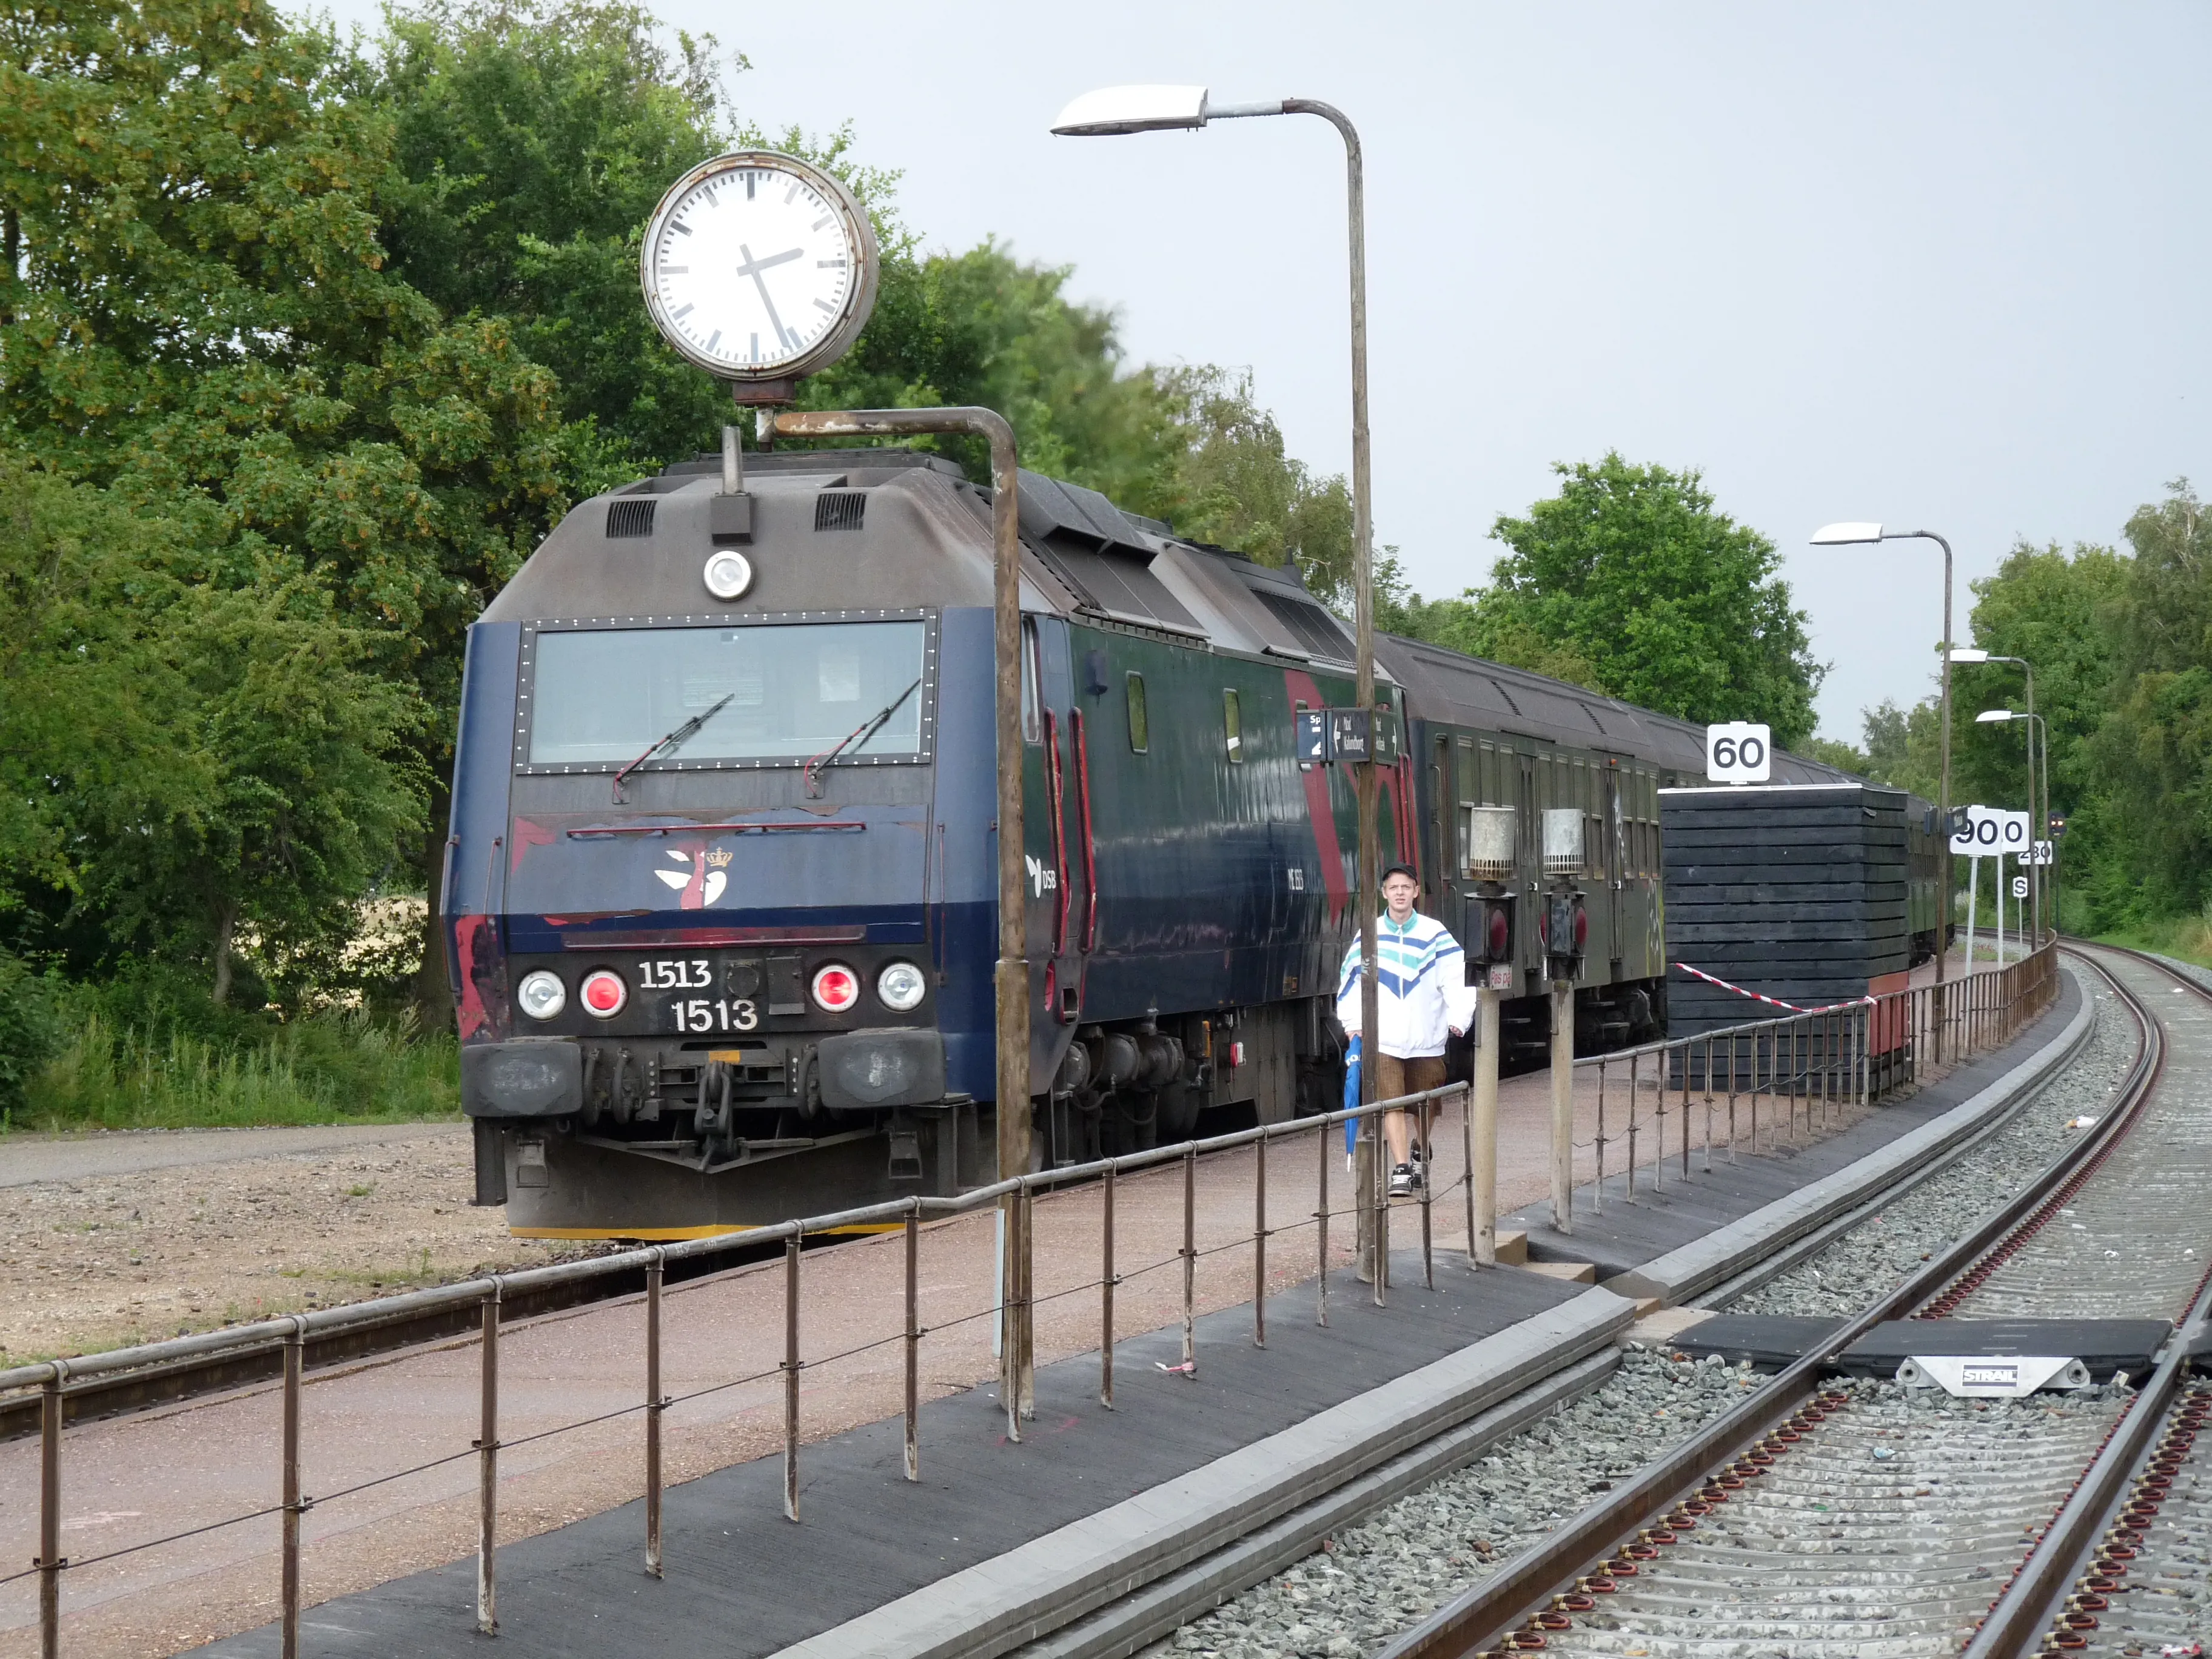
(1941,266)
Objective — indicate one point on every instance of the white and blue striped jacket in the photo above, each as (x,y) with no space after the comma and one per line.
(1421,989)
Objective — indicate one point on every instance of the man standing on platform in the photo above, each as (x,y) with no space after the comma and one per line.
(1423,1000)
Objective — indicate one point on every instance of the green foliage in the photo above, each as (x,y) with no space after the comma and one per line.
(1829,751)
(322,1068)
(32,1029)
(179,759)
(1630,574)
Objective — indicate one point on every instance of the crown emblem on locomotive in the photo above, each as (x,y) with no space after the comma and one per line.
(718,858)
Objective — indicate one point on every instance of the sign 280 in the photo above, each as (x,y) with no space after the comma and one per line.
(1740,751)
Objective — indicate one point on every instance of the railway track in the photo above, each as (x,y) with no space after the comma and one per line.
(1831,1517)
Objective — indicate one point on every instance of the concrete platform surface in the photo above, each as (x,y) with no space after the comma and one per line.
(743,1582)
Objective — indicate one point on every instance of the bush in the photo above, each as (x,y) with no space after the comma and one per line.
(32,1029)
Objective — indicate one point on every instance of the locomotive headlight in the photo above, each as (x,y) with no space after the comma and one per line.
(836,988)
(900,986)
(728,574)
(542,995)
(604,993)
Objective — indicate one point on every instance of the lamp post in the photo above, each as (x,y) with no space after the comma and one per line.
(1112,112)
(1973,655)
(2039,736)
(1853,535)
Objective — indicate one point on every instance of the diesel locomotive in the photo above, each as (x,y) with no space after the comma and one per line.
(720,892)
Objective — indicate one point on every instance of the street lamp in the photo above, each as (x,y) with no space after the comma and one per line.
(2039,737)
(1973,654)
(1853,535)
(1111,111)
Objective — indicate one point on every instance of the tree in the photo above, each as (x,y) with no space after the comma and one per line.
(1630,571)
(189,765)
(200,317)
(2148,837)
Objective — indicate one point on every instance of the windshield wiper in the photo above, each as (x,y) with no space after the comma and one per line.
(860,733)
(682,734)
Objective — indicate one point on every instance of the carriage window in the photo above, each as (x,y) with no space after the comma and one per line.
(1139,732)
(1233,722)
(1032,677)
(602,696)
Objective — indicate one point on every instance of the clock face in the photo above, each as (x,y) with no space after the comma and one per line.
(758,266)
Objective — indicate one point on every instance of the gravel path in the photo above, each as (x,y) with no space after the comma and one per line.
(1870,1260)
(1375,1579)
(135,1255)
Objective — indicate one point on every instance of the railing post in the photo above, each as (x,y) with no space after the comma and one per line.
(1687,1049)
(1025,1308)
(1326,1139)
(1106,1295)
(50,1561)
(1428,1192)
(1597,1187)
(1379,1197)
(1635,1078)
(1467,1160)
(1734,1155)
(791,1378)
(655,1271)
(1190,1261)
(487,1469)
(1709,1106)
(1259,1240)
(913,1342)
(294,1355)
(1563,1106)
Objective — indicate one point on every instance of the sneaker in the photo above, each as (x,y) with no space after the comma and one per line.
(1402,1180)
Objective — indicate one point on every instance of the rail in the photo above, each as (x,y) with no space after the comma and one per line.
(1795,1059)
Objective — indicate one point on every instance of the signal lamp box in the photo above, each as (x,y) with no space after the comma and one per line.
(1798,891)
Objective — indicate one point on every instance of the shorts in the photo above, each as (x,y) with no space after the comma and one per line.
(1395,1077)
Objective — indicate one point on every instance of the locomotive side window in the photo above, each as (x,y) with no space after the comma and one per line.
(1139,732)
(1232,722)
(1032,677)
(601,696)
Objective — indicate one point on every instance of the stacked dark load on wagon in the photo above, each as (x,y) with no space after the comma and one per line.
(1810,895)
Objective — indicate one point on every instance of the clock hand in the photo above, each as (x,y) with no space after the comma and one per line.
(753,268)
(752,265)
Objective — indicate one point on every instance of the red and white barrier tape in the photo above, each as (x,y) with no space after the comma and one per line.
(1771,1002)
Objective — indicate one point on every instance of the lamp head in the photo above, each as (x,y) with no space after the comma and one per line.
(1110,110)
(1846,535)
(1994,716)
(1968,654)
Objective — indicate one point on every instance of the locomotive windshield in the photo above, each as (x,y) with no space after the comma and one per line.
(793,690)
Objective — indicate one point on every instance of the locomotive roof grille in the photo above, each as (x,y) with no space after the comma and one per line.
(1309,624)
(841,510)
(629,518)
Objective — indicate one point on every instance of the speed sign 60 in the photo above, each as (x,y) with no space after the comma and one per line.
(1740,751)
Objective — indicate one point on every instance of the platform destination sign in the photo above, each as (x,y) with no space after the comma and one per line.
(1739,751)
(1992,830)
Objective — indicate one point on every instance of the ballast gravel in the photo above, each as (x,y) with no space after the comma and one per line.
(1370,1581)
(1874,1258)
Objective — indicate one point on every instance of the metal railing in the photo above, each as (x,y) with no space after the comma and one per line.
(1370,1208)
(1860,1053)
(1825,1062)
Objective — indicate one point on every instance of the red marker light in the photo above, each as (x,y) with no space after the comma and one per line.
(836,988)
(604,993)
(1497,935)
(1582,927)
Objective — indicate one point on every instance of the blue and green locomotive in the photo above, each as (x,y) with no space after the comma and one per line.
(720,894)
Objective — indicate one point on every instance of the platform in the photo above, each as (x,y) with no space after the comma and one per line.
(738,1569)
(1630,1233)
(1024,1535)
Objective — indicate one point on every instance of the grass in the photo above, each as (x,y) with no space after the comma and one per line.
(2189,939)
(321,1068)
